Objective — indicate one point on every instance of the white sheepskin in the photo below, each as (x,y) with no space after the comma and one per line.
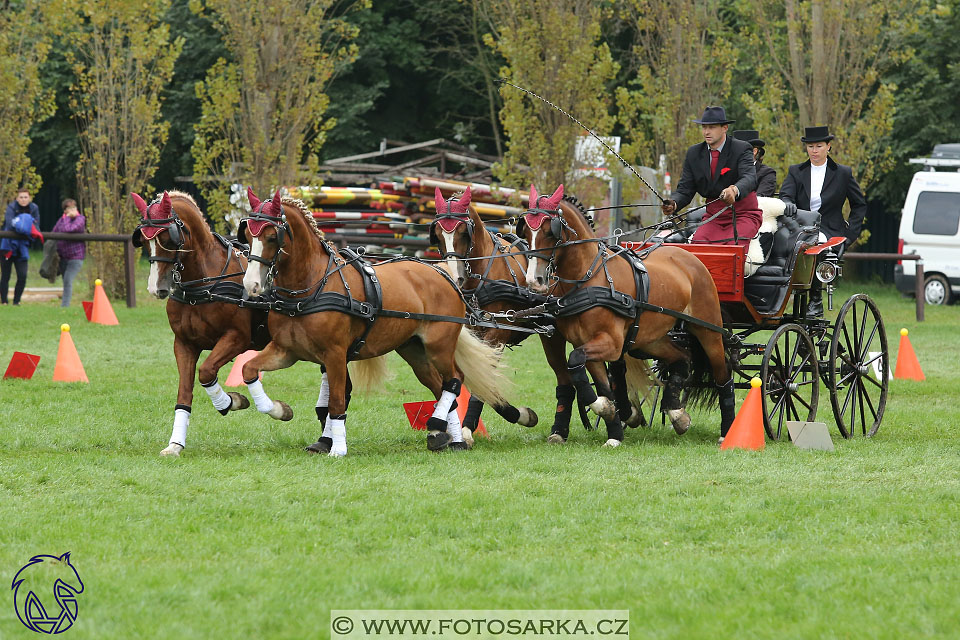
(772,209)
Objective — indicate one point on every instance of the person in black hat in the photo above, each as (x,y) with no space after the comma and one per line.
(766,176)
(820,184)
(721,170)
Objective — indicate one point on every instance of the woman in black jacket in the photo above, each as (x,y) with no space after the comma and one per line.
(820,184)
(766,176)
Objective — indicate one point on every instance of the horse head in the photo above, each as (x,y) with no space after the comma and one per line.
(542,238)
(40,576)
(452,232)
(164,232)
(265,231)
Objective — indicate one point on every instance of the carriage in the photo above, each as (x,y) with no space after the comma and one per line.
(849,355)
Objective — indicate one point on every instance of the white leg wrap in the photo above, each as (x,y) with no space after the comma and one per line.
(443,405)
(218,396)
(181,420)
(453,426)
(323,400)
(338,431)
(260,398)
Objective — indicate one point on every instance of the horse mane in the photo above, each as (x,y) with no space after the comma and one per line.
(196,208)
(580,210)
(307,214)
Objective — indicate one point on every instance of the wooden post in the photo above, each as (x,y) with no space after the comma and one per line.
(129,263)
(921,300)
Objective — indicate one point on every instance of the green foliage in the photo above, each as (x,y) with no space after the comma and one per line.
(554,49)
(122,58)
(24,46)
(263,106)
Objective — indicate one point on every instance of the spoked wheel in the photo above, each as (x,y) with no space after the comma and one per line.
(790,377)
(859,367)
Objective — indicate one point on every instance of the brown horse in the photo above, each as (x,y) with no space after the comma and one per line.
(328,310)
(192,265)
(598,287)
(491,272)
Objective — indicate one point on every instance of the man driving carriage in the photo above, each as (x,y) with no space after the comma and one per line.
(721,169)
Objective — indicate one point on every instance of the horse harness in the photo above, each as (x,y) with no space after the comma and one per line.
(318,300)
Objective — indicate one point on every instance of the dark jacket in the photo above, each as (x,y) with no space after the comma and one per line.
(838,185)
(736,155)
(766,180)
(18,248)
(50,266)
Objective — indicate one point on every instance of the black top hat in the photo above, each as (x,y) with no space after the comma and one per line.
(816,134)
(714,115)
(749,135)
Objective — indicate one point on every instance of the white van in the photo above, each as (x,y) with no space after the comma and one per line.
(930,227)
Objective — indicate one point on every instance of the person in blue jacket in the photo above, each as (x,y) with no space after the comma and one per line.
(22,216)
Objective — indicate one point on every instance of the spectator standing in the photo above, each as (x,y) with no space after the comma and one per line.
(71,252)
(22,216)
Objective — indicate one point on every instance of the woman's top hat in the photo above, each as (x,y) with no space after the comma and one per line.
(750,135)
(816,134)
(714,115)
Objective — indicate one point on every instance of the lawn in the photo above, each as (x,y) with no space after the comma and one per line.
(247,536)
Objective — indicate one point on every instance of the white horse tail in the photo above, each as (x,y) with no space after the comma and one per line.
(640,380)
(480,363)
(369,374)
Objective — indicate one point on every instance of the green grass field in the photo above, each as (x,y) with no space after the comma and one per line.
(247,536)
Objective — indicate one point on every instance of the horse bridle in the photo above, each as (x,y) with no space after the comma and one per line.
(457,219)
(258,221)
(176,229)
(534,217)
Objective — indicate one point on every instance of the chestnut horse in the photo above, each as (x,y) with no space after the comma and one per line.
(328,310)
(597,289)
(192,265)
(491,271)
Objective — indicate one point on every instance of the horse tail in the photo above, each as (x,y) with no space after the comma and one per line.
(369,374)
(701,388)
(480,363)
(640,380)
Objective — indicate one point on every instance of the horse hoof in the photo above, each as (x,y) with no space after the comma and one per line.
(680,420)
(460,446)
(337,453)
(612,443)
(322,445)
(239,401)
(467,436)
(635,419)
(438,440)
(172,451)
(281,411)
(528,417)
(604,408)
(556,438)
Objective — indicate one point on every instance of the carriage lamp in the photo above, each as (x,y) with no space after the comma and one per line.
(827,271)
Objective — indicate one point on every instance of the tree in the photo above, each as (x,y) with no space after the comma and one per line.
(263,108)
(824,65)
(122,57)
(552,47)
(683,58)
(24,46)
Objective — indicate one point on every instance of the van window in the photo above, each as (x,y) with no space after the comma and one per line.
(938,213)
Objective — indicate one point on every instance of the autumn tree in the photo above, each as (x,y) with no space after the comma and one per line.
(122,57)
(681,59)
(263,106)
(23,48)
(554,48)
(822,62)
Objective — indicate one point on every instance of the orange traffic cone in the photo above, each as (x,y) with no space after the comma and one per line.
(235,379)
(746,432)
(462,401)
(68,367)
(102,310)
(908,367)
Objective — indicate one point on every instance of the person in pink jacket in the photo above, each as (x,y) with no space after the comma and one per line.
(71,252)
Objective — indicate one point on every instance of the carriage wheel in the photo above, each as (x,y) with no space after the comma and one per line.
(790,377)
(859,367)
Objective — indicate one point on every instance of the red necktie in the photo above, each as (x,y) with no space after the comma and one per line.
(714,159)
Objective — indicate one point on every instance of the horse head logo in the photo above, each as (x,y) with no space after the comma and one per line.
(57,581)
